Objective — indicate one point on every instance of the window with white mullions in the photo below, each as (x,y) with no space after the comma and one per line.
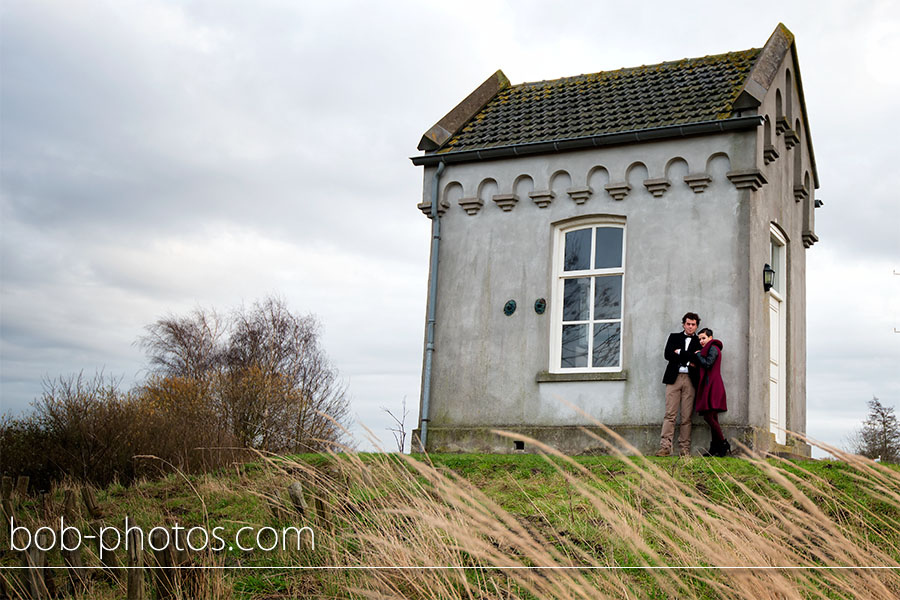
(590,271)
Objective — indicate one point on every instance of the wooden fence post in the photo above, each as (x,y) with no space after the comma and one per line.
(188,578)
(69,506)
(6,511)
(34,560)
(164,576)
(6,490)
(295,491)
(322,513)
(90,502)
(277,507)
(22,487)
(70,548)
(108,559)
(46,506)
(136,589)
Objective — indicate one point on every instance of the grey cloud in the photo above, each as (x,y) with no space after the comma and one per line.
(128,126)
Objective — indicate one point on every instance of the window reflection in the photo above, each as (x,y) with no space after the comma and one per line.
(578,250)
(608,253)
(576,305)
(608,297)
(606,345)
(574,346)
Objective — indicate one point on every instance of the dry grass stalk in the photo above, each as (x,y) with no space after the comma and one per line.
(397,526)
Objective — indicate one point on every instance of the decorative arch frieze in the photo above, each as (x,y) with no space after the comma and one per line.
(617,191)
(752,179)
(801,188)
(580,195)
(636,172)
(781,122)
(788,96)
(809,209)
(560,181)
(677,169)
(471,204)
(717,165)
(597,178)
(698,182)
(453,194)
(542,198)
(489,188)
(792,136)
(453,189)
(523,186)
(770,153)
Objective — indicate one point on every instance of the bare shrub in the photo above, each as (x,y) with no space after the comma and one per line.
(262,370)
(259,379)
(88,429)
(188,347)
(88,426)
(180,425)
(282,392)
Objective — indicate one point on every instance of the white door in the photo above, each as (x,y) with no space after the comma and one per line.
(777,404)
(778,336)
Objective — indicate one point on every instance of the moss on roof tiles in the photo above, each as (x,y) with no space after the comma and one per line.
(671,93)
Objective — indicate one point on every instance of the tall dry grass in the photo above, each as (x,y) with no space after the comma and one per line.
(415,530)
(396,526)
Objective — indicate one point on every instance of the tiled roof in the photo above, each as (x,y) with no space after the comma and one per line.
(673,93)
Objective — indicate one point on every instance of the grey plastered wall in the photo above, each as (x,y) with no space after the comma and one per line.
(684,251)
(779,202)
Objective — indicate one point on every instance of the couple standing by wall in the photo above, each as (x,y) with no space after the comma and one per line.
(693,380)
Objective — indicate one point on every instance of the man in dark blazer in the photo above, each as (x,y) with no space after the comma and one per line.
(681,379)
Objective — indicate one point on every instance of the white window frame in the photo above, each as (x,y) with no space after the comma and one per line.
(559,278)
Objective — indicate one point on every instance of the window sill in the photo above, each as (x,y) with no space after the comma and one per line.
(547,377)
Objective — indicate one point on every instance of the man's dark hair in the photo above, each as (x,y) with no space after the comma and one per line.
(691,316)
(707,331)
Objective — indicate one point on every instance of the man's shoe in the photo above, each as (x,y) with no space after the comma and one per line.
(664,452)
(686,452)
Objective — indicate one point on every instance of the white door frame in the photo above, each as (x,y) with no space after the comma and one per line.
(777,302)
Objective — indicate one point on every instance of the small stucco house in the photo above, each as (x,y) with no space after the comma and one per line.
(575,221)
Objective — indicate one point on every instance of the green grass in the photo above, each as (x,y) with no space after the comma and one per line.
(485,512)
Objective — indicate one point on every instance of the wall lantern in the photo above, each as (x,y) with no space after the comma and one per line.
(768,277)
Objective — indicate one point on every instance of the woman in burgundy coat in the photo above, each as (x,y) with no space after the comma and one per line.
(710,399)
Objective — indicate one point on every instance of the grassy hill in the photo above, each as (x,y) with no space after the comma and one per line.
(490,526)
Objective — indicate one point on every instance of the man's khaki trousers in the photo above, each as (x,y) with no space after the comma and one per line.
(679,399)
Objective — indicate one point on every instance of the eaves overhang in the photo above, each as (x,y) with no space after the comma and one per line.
(593,141)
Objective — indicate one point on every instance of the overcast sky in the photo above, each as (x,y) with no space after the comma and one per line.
(158,156)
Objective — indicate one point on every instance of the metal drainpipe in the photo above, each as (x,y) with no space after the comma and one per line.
(432,297)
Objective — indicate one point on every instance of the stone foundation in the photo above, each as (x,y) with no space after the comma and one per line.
(581,441)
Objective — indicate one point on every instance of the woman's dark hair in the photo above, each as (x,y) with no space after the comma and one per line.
(707,331)
(692,316)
